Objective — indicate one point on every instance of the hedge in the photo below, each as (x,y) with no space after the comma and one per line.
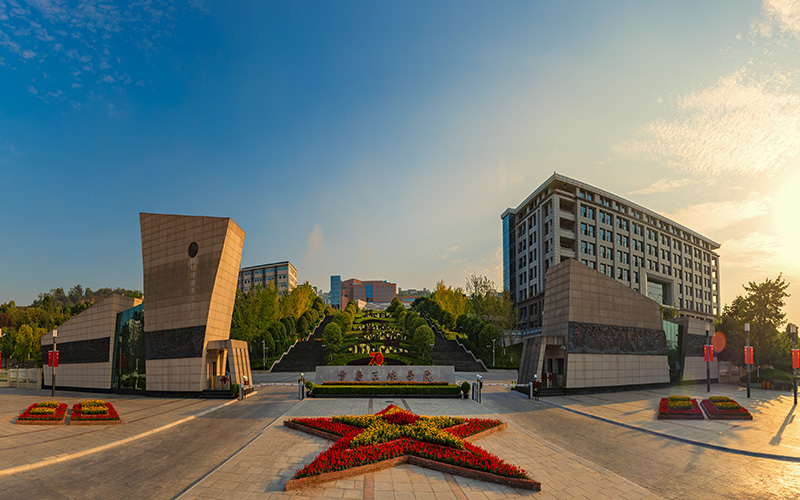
(385,389)
(373,383)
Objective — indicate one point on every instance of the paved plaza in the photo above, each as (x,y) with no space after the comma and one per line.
(261,465)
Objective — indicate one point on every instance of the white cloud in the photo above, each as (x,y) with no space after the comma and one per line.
(739,126)
(316,240)
(663,186)
(42,32)
(757,251)
(707,217)
(785,13)
(453,249)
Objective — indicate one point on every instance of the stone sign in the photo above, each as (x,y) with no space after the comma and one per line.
(385,373)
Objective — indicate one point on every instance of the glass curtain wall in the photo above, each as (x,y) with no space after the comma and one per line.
(128,369)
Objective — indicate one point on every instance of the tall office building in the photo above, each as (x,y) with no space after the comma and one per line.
(336,292)
(282,274)
(565,218)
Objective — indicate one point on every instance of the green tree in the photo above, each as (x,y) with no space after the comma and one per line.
(332,336)
(762,308)
(422,340)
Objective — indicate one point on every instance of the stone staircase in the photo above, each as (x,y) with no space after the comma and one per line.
(450,352)
(305,355)
(216,394)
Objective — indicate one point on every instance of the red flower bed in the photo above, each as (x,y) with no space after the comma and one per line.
(716,413)
(693,413)
(473,426)
(78,416)
(60,412)
(327,425)
(341,456)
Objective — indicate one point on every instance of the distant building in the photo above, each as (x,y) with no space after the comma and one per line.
(282,274)
(565,218)
(336,292)
(368,292)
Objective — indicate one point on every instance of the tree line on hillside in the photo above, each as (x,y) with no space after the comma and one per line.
(481,313)
(23,326)
(264,317)
(413,327)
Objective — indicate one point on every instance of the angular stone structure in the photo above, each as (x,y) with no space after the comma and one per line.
(85,345)
(596,333)
(191,267)
(177,339)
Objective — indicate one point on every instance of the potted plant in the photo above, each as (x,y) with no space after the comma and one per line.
(465,387)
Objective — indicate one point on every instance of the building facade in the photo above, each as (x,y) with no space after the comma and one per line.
(282,274)
(376,291)
(177,339)
(565,218)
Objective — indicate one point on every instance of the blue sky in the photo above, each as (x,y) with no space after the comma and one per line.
(382,140)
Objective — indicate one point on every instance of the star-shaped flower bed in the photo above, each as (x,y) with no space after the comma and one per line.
(367,443)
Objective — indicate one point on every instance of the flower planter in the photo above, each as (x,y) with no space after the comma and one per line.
(56,418)
(692,413)
(111,417)
(715,413)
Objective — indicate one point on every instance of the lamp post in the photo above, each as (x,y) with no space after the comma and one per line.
(53,373)
(708,360)
(493,359)
(264,354)
(746,348)
(793,331)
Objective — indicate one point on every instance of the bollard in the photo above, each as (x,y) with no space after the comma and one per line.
(474,391)
(530,390)
(300,388)
(241,392)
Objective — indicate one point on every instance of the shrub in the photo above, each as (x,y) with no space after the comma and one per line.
(465,387)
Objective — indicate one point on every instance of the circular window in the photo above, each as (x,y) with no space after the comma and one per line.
(192,249)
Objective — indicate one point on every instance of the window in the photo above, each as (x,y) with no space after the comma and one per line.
(622,223)
(587,248)
(587,212)
(587,229)
(606,218)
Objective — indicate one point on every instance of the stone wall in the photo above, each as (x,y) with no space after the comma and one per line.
(385,373)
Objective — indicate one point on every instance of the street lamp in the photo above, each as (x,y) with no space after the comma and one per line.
(746,349)
(708,360)
(53,373)
(795,358)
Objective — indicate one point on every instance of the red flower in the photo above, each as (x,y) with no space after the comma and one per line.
(340,456)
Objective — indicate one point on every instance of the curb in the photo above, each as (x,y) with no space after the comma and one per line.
(79,454)
(735,451)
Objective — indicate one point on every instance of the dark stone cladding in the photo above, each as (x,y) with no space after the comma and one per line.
(694,344)
(176,343)
(80,351)
(591,338)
